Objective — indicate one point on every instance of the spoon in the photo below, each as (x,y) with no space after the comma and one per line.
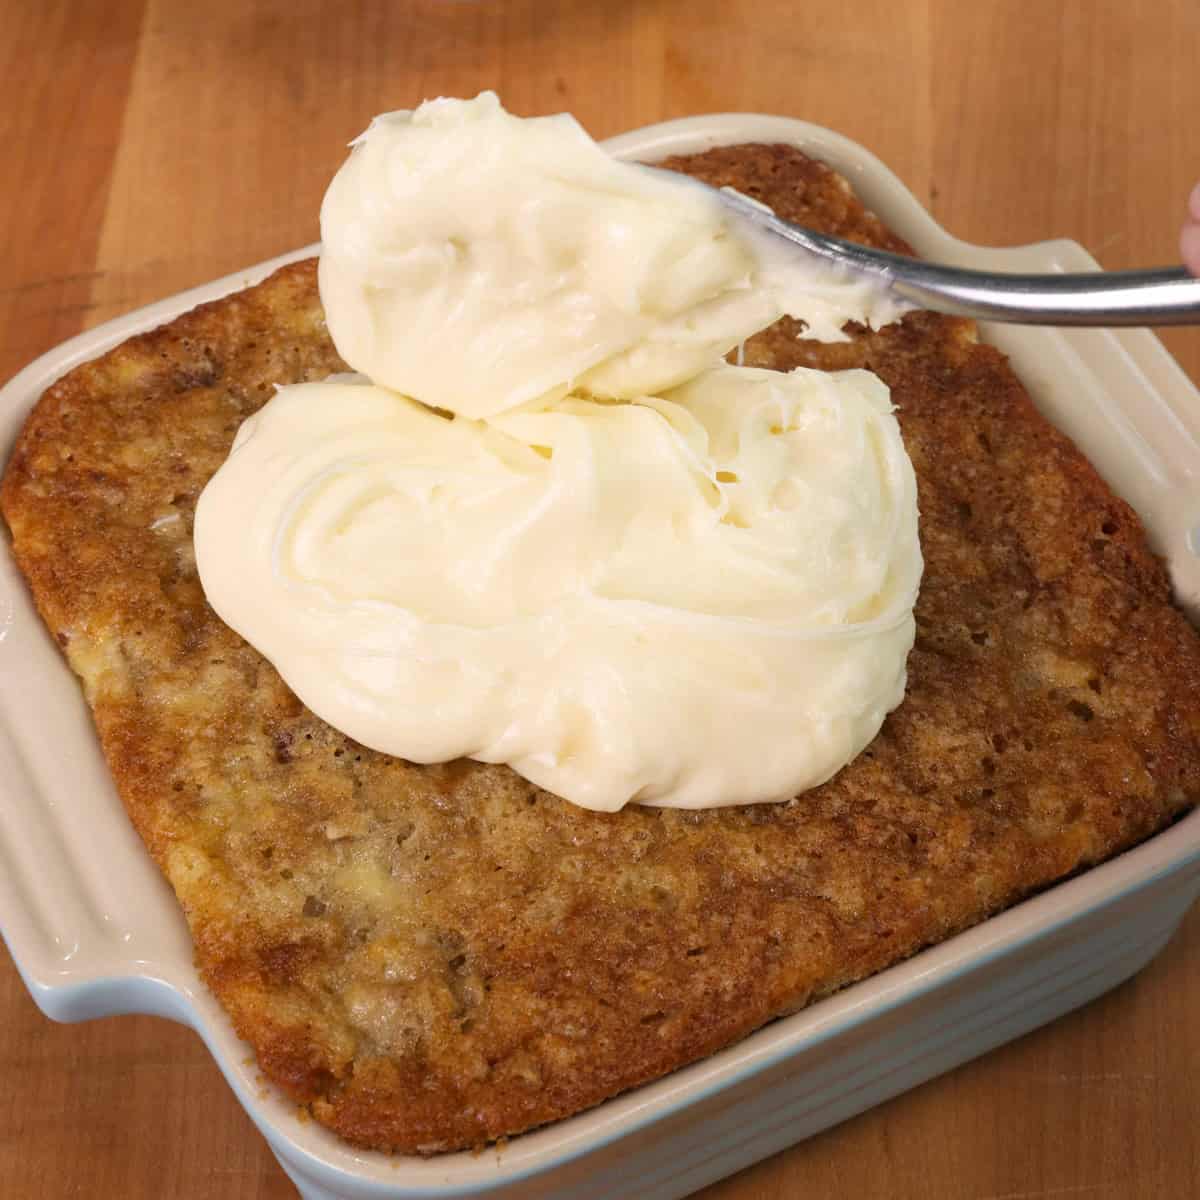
(1159,296)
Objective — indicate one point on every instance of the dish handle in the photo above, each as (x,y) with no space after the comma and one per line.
(79,946)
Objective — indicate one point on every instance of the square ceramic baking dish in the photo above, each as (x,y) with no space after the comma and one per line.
(95,930)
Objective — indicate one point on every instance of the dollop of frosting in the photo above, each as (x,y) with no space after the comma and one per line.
(546,525)
(692,599)
(478,261)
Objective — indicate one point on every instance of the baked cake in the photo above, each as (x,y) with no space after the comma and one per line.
(427,958)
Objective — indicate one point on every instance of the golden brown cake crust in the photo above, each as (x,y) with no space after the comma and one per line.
(430,957)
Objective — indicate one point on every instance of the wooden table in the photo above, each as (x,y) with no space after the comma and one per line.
(154,144)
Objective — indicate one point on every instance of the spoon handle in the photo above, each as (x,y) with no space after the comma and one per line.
(1161,296)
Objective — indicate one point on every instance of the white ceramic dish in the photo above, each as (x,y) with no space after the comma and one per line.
(95,930)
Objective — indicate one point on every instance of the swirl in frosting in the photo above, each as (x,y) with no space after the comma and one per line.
(697,599)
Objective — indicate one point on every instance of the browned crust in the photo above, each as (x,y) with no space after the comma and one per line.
(432,957)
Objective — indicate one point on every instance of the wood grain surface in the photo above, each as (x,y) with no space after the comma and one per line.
(150,145)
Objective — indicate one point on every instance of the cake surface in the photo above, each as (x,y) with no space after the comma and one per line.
(432,957)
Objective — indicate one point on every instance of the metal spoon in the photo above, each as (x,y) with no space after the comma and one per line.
(1161,296)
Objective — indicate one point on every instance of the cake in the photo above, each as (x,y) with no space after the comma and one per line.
(427,958)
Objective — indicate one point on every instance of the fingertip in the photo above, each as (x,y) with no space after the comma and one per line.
(1189,248)
(1194,203)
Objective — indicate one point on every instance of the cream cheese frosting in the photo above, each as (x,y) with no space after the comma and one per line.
(622,567)
(478,261)
(696,599)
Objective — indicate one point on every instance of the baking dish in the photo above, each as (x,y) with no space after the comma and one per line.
(95,930)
